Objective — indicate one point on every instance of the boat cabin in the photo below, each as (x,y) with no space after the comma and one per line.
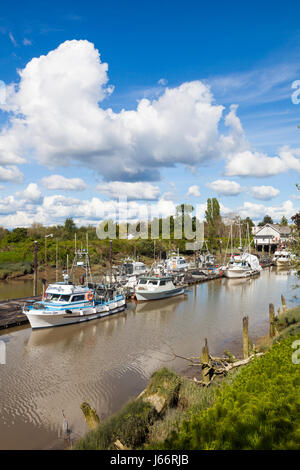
(66,293)
(134,268)
(152,282)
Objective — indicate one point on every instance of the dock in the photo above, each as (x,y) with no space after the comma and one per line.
(11,311)
(207,277)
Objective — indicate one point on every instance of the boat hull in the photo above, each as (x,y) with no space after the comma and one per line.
(39,319)
(142,296)
(236,273)
(281,263)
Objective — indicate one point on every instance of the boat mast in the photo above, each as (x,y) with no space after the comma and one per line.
(81,259)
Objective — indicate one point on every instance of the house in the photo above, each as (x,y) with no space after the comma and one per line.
(270,237)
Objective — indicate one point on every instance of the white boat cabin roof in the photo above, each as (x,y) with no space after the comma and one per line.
(155,278)
(66,289)
(282,253)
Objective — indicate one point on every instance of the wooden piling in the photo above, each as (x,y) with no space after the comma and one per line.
(278,311)
(205,360)
(245,338)
(271,320)
(90,415)
(283,303)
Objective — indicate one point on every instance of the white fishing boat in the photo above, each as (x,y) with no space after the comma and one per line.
(242,266)
(64,304)
(128,272)
(175,262)
(154,288)
(282,258)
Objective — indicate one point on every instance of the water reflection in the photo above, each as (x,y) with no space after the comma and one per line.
(107,361)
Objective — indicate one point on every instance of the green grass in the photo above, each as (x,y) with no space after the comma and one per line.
(166,384)
(288,318)
(259,410)
(131,426)
(19,268)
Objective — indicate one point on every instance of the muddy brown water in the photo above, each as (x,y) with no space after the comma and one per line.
(106,362)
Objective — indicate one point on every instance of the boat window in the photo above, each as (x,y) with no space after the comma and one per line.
(64,298)
(154,283)
(162,283)
(143,281)
(128,268)
(77,298)
(52,297)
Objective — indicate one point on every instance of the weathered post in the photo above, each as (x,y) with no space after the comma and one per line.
(278,311)
(90,415)
(245,338)
(283,303)
(205,363)
(271,320)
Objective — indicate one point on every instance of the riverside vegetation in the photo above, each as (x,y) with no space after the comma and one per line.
(254,407)
(17,246)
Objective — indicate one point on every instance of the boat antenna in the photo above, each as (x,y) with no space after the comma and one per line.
(56,267)
(110,259)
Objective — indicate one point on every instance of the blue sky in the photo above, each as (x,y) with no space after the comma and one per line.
(157,123)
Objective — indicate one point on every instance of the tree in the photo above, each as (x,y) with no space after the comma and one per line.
(213,217)
(36,230)
(17,235)
(284,221)
(183,211)
(266,220)
(296,219)
(247,222)
(69,227)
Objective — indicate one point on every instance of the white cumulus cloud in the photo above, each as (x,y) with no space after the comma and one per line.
(59,182)
(10,173)
(264,193)
(132,191)
(225,187)
(31,194)
(57,118)
(193,191)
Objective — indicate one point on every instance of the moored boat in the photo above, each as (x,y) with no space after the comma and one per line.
(154,288)
(175,262)
(245,265)
(65,303)
(282,258)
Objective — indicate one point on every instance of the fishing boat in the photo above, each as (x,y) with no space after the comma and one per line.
(282,258)
(154,288)
(175,262)
(243,265)
(65,303)
(128,272)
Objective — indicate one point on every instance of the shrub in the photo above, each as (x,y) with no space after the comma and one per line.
(260,410)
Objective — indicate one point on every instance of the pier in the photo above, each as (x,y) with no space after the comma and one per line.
(11,311)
